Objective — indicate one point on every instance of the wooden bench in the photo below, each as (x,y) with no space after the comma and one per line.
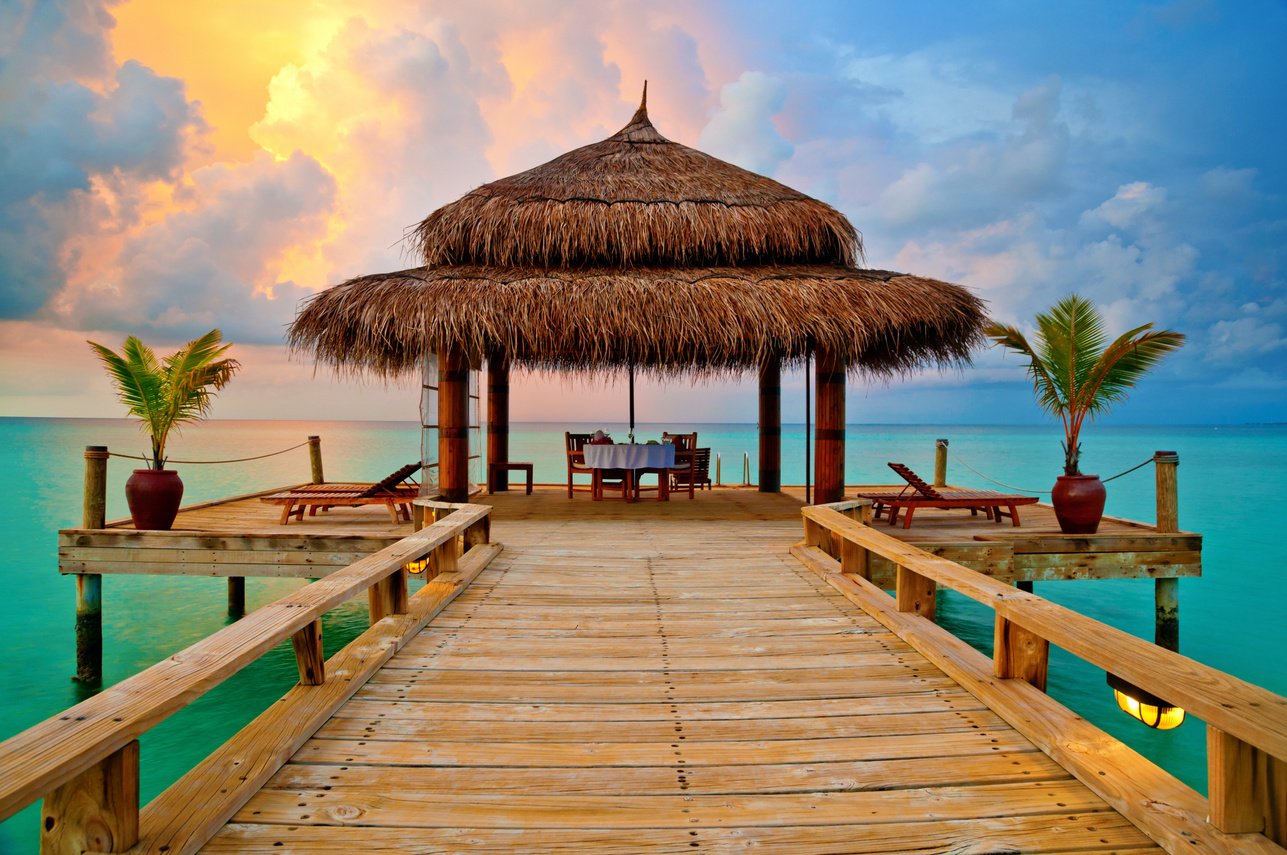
(498,475)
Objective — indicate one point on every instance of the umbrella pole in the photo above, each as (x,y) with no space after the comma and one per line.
(632,403)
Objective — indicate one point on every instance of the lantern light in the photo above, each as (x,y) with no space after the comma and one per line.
(1144,706)
(416,567)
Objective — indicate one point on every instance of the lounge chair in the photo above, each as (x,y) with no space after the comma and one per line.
(395,492)
(918,494)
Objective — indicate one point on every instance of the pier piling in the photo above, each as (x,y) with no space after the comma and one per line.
(236,596)
(315,459)
(940,463)
(1166,592)
(89,586)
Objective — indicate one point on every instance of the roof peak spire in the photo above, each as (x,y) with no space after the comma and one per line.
(640,128)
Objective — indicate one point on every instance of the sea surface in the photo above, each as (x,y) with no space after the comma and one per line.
(1230,483)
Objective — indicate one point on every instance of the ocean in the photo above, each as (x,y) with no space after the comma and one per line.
(1229,481)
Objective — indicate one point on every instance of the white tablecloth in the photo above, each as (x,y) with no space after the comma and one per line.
(625,456)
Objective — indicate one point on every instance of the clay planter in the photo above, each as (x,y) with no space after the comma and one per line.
(1079,503)
(153,496)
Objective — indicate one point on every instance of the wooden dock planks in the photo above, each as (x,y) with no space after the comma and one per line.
(622,683)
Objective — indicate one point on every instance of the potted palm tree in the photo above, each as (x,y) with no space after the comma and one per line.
(1075,376)
(164,394)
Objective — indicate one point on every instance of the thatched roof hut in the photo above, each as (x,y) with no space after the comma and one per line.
(640,252)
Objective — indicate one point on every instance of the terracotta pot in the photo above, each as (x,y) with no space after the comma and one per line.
(1079,503)
(154,496)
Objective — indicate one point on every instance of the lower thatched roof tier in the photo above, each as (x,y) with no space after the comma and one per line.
(668,321)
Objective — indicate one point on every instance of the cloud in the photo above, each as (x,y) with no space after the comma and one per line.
(742,129)
(1131,203)
(58,135)
(1231,341)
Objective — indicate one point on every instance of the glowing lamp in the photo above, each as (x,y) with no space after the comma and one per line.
(416,567)
(1144,706)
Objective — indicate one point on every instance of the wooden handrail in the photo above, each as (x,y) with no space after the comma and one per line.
(55,751)
(1249,712)
(1247,725)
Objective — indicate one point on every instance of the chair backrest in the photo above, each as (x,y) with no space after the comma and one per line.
(681,441)
(702,460)
(391,483)
(916,481)
(577,441)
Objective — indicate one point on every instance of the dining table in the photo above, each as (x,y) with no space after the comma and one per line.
(634,459)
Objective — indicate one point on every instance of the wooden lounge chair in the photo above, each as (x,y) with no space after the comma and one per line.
(919,494)
(395,492)
(575,443)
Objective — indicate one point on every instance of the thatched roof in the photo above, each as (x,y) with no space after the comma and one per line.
(639,251)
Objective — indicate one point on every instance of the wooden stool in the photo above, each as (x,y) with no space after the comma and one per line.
(498,475)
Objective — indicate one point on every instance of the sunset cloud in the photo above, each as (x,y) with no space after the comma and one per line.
(165,168)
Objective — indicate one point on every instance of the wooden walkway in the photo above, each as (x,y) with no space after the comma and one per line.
(617,681)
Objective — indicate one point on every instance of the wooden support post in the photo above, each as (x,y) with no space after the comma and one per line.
(497,422)
(915,593)
(829,434)
(97,811)
(940,463)
(1019,654)
(417,517)
(443,559)
(308,654)
(771,425)
(479,533)
(1166,591)
(89,587)
(236,596)
(388,596)
(1245,788)
(453,425)
(854,559)
(315,459)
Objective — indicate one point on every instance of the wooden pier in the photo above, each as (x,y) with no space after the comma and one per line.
(682,676)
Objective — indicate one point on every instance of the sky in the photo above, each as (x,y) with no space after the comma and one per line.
(170,167)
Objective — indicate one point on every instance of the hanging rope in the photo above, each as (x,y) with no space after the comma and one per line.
(234,460)
(958,459)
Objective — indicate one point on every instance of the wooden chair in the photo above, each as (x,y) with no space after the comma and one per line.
(703,464)
(684,475)
(681,441)
(576,443)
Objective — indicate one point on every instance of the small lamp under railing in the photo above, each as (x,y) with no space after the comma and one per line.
(1144,706)
(418,566)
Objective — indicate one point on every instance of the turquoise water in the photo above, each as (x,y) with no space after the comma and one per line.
(146,619)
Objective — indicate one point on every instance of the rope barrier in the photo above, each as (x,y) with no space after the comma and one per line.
(234,460)
(958,459)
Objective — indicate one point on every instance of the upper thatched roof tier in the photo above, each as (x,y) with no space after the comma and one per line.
(636,199)
(669,321)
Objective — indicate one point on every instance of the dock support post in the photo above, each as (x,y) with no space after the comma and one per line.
(315,459)
(89,586)
(829,434)
(236,596)
(1166,592)
(771,425)
(940,463)
(96,811)
(453,425)
(497,422)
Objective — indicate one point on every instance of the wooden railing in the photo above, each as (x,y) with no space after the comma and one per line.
(1246,725)
(84,763)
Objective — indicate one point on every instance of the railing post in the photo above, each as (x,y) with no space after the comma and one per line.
(97,811)
(1166,592)
(388,596)
(308,654)
(315,459)
(1019,654)
(915,593)
(854,559)
(940,463)
(1244,786)
(89,586)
